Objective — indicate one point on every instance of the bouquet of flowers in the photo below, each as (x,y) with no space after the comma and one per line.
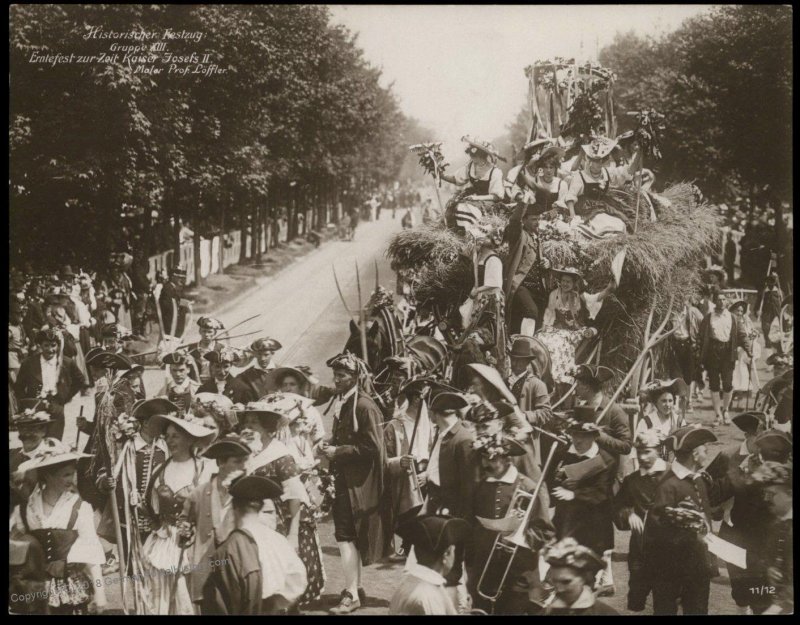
(651,124)
(688,516)
(125,427)
(325,481)
(431,159)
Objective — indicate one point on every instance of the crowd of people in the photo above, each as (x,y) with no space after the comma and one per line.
(466,471)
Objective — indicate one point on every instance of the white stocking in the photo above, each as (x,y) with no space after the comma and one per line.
(351,565)
(528,326)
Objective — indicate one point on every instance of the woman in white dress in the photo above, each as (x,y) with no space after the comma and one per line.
(63,524)
(745,377)
(168,489)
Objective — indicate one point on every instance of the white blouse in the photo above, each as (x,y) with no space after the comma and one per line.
(494,176)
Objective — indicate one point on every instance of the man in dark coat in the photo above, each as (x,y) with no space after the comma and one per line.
(744,523)
(236,583)
(45,375)
(615,436)
(258,376)
(171,302)
(676,555)
(208,328)
(358,457)
(222,381)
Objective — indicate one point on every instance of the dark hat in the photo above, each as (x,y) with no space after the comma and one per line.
(569,553)
(750,422)
(146,408)
(774,443)
(653,390)
(175,358)
(532,349)
(448,402)
(582,419)
(209,323)
(553,152)
(109,360)
(689,438)
(593,373)
(535,209)
(66,272)
(415,386)
(31,416)
(346,361)
(717,271)
(265,344)
(222,356)
(178,271)
(255,488)
(229,447)
(434,533)
(48,334)
(738,303)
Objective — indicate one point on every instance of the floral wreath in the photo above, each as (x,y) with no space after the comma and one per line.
(687,515)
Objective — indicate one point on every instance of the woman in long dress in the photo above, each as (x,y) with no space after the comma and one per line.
(169,487)
(63,524)
(566,322)
(263,421)
(745,377)
(298,439)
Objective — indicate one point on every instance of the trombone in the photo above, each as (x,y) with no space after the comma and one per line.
(509,545)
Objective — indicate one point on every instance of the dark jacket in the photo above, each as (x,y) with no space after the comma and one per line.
(235,587)
(458,474)
(258,381)
(616,438)
(360,459)
(29,383)
(235,390)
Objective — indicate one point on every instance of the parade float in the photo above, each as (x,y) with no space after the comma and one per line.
(654,262)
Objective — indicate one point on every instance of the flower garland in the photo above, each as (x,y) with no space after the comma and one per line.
(687,515)
(650,125)
(325,480)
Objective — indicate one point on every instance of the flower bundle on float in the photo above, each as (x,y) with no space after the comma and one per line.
(650,127)
(431,159)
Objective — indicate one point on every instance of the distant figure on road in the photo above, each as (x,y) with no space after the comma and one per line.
(730,257)
(408,220)
(353,223)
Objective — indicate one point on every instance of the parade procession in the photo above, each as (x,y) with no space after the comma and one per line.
(284,340)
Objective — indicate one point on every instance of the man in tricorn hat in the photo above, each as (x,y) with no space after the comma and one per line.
(222,381)
(357,455)
(208,328)
(676,555)
(436,540)
(257,376)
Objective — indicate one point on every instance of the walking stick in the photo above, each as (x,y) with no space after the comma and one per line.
(77,429)
(362,319)
(120,551)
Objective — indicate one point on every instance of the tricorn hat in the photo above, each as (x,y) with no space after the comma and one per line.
(448,402)
(774,444)
(109,360)
(146,408)
(254,488)
(750,422)
(690,437)
(265,344)
(593,373)
(434,533)
(209,323)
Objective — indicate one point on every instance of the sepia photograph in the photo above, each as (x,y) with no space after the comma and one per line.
(400,309)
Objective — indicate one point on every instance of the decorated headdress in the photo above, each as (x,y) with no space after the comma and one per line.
(380,298)
(209,323)
(568,552)
(31,417)
(649,439)
(484,146)
(51,452)
(492,436)
(599,148)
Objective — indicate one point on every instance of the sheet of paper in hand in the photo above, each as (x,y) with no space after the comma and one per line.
(727,551)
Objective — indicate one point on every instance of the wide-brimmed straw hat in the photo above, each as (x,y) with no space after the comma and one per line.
(568,271)
(483,146)
(493,377)
(192,426)
(268,416)
(50,453)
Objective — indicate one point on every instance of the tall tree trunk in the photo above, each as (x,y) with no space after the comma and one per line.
(257,233)
(243,229)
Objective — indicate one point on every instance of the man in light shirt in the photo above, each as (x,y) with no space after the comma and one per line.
(721,334)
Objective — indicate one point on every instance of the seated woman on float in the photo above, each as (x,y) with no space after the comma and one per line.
(592,181)
(540,180)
